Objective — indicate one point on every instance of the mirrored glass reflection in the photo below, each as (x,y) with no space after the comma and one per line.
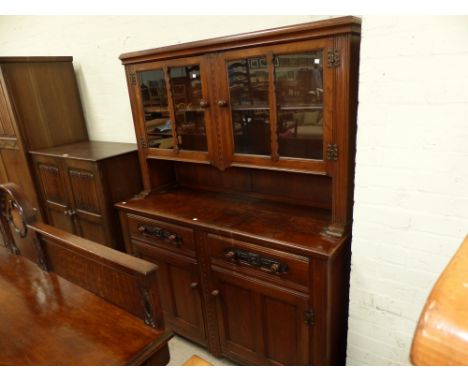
(188,105)
(299,97)
(248,91)
(155,108)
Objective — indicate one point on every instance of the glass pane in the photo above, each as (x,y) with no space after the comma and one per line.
(189,115)
(299,97)
(155,107)
(248,91)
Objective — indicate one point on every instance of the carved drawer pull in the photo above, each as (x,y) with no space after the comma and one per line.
(264,263)
(194,285)
(215,293)
(159,233)
(222,103)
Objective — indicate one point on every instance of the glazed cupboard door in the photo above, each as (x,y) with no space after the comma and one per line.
(277,103)
(259,323)
(179,283)
(174,120)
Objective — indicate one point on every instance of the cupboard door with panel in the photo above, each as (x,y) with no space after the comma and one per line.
(85,191)
(54,191)
(80,182)
(180,288)
(260,323)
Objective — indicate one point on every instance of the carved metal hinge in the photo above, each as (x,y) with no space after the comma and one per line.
(333,58)
(309,317)
(332,151)
(143,144)
(133,78)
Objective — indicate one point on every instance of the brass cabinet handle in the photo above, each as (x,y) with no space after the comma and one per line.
(222,103)
(204,103)
(193,285)
(215,293)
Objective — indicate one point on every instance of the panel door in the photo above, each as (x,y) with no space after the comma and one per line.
(84,188)
(277,104)
(174,118)
(54,193)
(179,284)
(259,323)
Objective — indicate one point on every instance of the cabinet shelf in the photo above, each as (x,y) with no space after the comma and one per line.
(301,107)
(249,108)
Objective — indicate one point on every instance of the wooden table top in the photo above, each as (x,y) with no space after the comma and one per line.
(47,320)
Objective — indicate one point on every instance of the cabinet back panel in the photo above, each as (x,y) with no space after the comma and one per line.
(294,188)
(47,102)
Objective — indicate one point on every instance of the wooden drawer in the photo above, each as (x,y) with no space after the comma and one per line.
(162,234)
(279,267)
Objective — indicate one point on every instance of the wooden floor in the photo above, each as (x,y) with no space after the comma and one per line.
(182,350)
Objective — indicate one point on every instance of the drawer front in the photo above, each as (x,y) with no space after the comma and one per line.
(280,267)
(162,234)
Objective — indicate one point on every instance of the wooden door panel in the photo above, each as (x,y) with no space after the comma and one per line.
(179,283)
(261,323)
(54,193)
(91,230)
(52,183)
(238,310)
(84,189)
(59,219)
(283,332)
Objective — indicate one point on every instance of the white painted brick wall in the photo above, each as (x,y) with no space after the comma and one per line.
(96,42)
(411,198)
(411,195)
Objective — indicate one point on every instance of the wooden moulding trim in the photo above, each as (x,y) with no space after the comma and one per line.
(27,59)
(291,247)
(327,27)
(93,251)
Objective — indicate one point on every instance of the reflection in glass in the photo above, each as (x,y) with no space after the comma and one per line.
(155,107)
(189,115)
(248,91)
(299,97)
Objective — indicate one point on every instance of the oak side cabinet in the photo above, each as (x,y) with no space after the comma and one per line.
(79,184)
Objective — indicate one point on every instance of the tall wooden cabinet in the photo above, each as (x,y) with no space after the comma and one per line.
(40,107)
(246,146)
(44,148)
(80,182)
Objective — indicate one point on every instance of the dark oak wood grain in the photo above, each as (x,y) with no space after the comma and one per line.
(51,321)
(80,182)
(260,221)
(39,107)
(81,304)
